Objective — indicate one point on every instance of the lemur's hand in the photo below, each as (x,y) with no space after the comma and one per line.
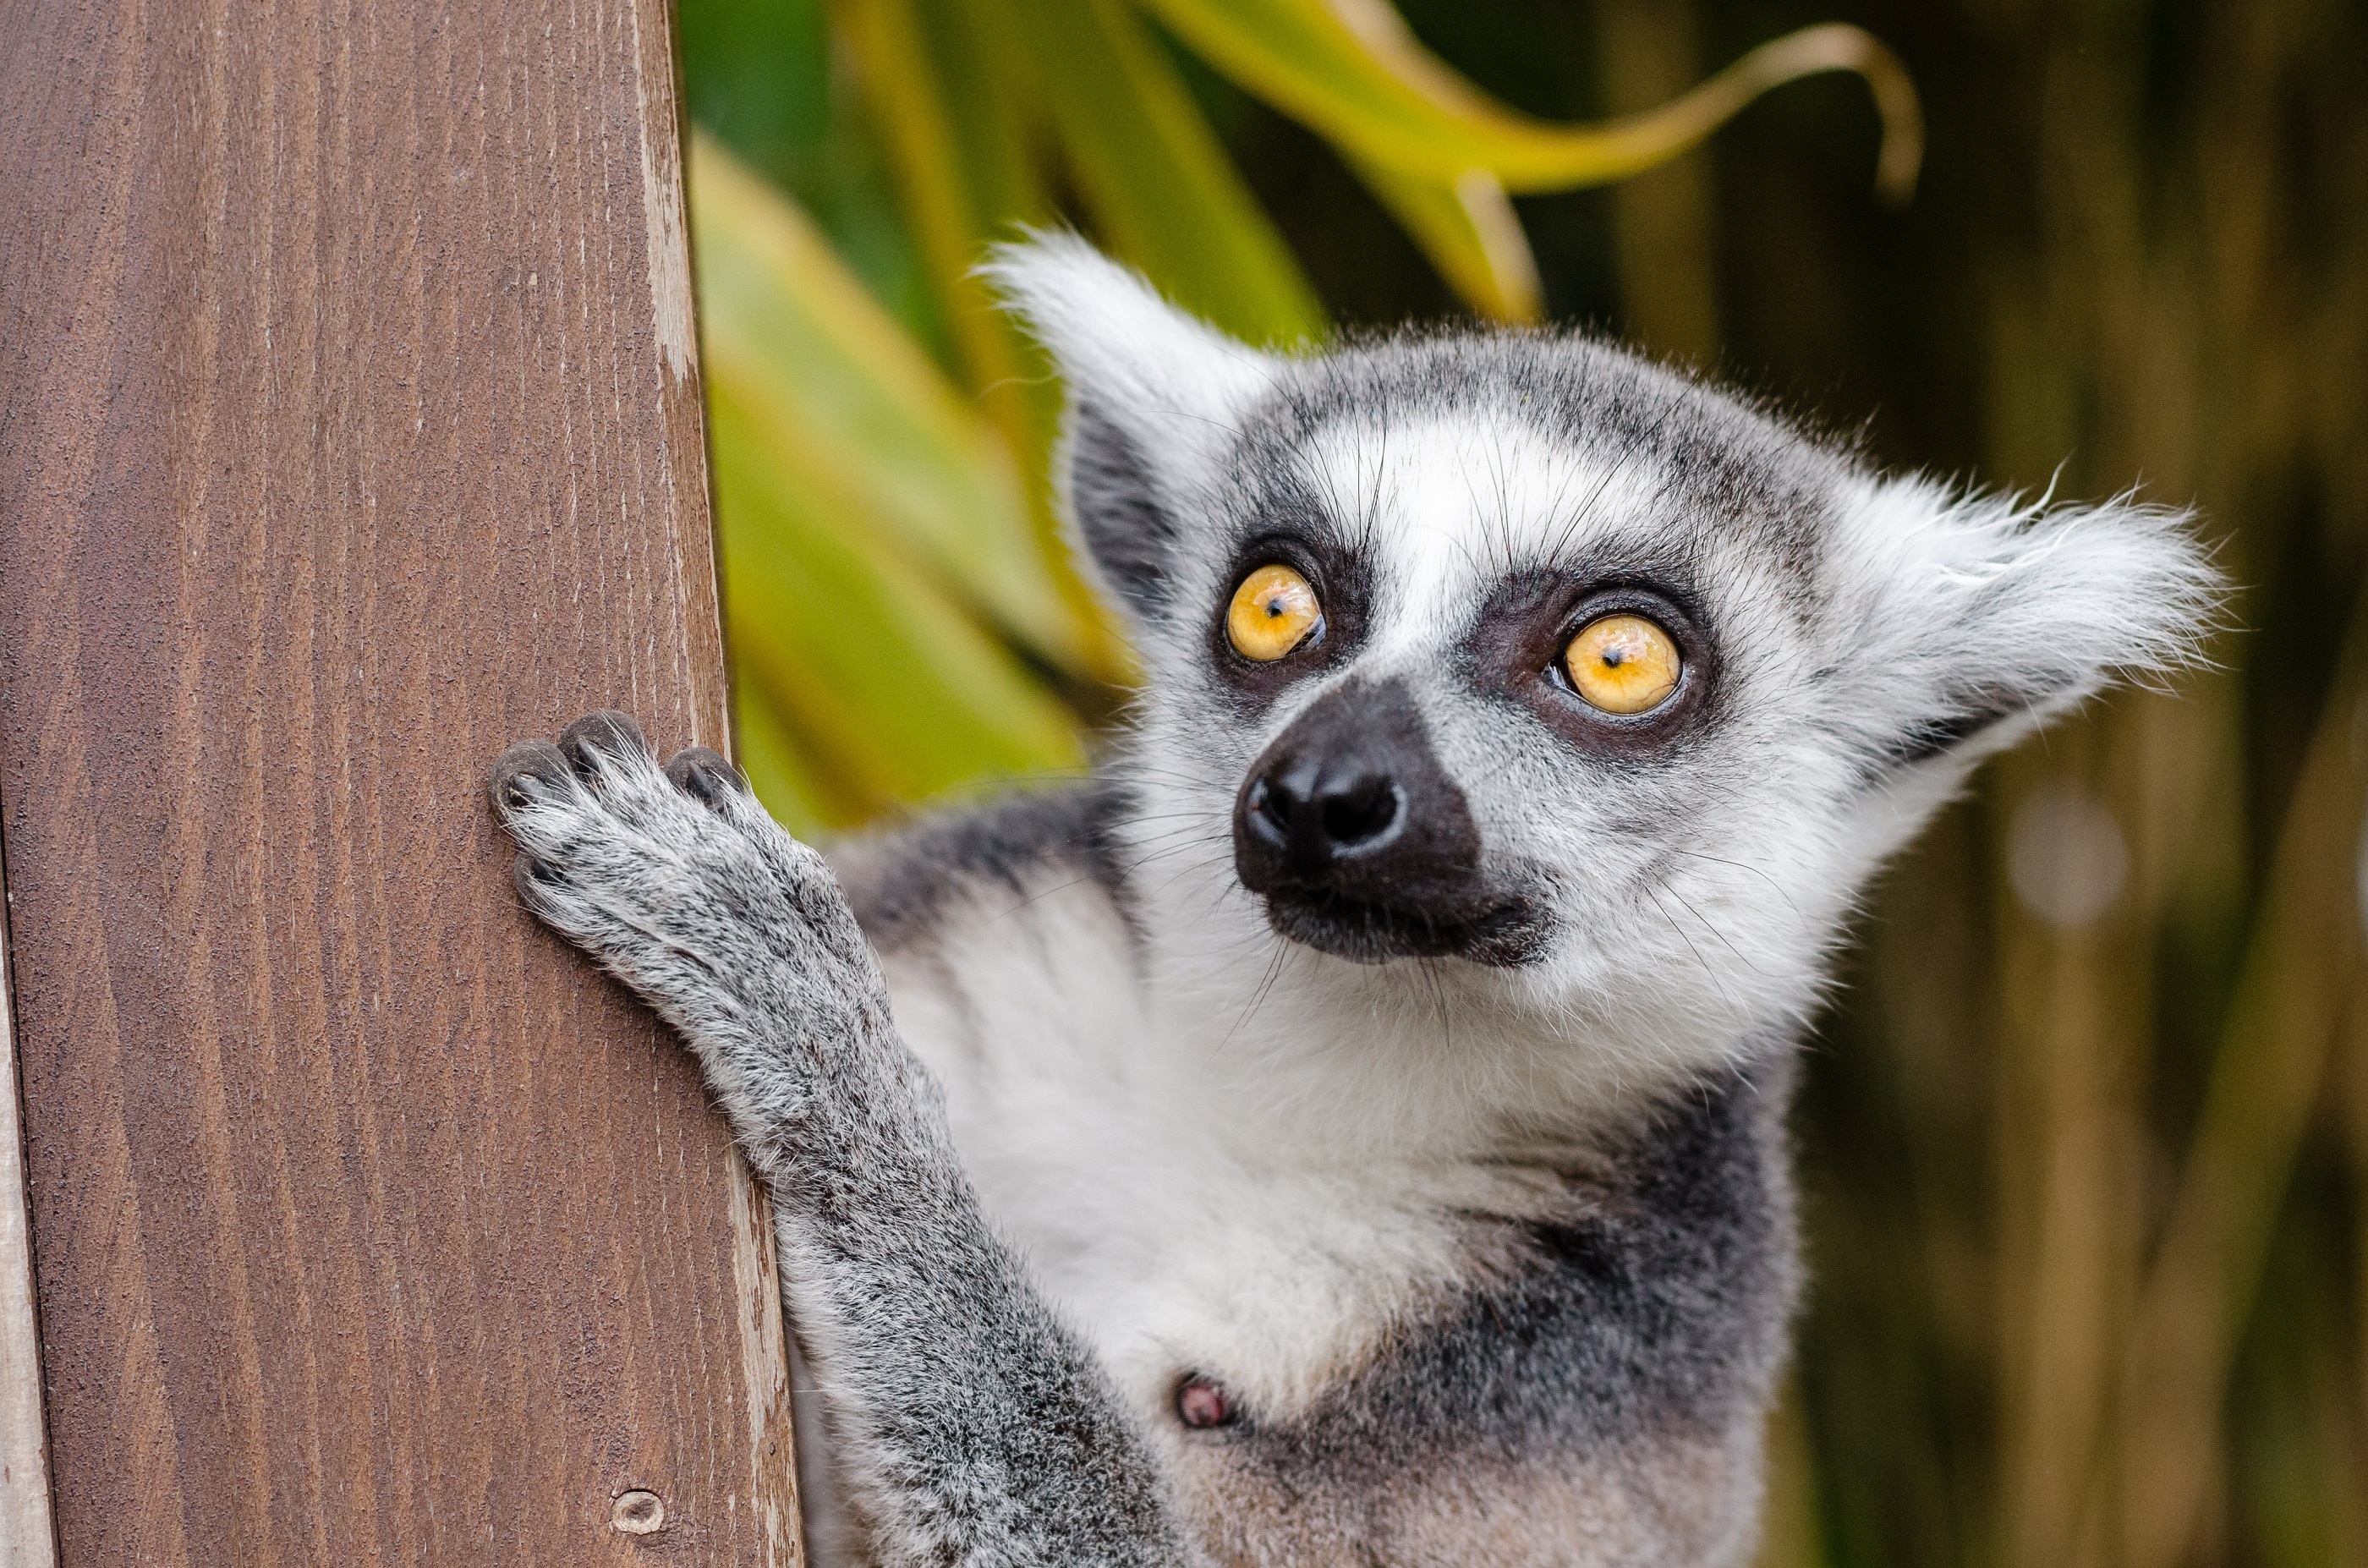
(678,882)
(975,1427)
(675,879)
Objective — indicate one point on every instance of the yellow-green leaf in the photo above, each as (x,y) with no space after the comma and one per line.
(1161,188)
(833,393)
(1470,232)
(939,173)
(870,676)
(1352,72)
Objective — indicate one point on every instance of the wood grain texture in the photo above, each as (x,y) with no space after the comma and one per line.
(349,429)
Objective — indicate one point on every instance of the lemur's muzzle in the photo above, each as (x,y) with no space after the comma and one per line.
(1360,842)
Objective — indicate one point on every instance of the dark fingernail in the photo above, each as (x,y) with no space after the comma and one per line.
(522,772)
(608,732)
(706,775)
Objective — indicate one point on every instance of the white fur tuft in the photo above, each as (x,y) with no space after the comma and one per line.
(1989,603)
(1117,342)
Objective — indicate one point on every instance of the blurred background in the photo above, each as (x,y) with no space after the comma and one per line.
(2085,1139)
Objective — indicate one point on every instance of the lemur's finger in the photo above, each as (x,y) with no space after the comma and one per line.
(603,733)
(706,777)
(536,880)
(525,773)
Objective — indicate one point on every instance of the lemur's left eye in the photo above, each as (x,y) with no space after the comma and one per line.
(1624,664)
(1273,611)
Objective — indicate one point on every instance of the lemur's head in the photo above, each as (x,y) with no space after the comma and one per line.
(1513,651)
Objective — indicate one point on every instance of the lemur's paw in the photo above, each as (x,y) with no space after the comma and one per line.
(673,878)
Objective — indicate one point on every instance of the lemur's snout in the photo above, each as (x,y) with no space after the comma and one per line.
(1359,841)
(1317,810)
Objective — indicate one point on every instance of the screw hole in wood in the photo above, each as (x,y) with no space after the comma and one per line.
(637,1513)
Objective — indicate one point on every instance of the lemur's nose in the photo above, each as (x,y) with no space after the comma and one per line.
(1350,801)
(1318,809)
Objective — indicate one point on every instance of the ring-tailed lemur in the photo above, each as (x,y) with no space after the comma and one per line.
(1349,1130)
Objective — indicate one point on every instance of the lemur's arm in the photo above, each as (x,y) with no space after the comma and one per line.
(973,1427)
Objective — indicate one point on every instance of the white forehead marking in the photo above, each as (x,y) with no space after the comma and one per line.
(1447,506)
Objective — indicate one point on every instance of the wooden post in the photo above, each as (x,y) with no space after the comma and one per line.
(349,429)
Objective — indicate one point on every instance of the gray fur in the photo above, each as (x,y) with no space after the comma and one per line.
(1118,511)
(901,885)
(1653,1304)
(977,1413)
(1485,1245)
(1645,1321)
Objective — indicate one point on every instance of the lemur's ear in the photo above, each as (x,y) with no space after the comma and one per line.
(1154,401)
(1972,620)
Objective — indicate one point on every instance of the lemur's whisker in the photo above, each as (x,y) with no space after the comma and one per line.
(1201,865)
(1701,962)
(1257,999)
(1712,926)
(1773,886)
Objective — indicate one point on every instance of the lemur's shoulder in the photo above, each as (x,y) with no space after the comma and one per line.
(1656,1302)
(1596,1381)
(903,882)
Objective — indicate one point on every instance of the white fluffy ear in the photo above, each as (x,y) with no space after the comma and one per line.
(1968,620)
(1156,400)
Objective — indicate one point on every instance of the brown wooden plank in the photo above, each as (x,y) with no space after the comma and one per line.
(349,429)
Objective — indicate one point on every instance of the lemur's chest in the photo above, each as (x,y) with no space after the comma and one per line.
(1524,1362)
(1179,1247)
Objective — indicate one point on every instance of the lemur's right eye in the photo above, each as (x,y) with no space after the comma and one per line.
(1274,610)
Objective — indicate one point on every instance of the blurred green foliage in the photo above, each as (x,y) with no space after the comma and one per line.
(883,579)
(2088,1203)
(902,616)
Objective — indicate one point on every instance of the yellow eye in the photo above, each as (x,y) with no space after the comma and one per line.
(1624,664)
(1272,612)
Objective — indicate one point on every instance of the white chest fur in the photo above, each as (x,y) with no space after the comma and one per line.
(1183,1230)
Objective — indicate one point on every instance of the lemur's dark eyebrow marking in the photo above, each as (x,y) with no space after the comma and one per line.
(1628,456)
(1285,504)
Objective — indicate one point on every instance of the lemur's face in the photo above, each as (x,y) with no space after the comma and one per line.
(1517,650)
(1483,662)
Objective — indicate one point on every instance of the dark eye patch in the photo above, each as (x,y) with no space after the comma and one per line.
(1293,531)
(1515,646)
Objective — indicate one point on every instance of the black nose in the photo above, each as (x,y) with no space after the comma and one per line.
(1350,802)
(1360,843)
(1319,809)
